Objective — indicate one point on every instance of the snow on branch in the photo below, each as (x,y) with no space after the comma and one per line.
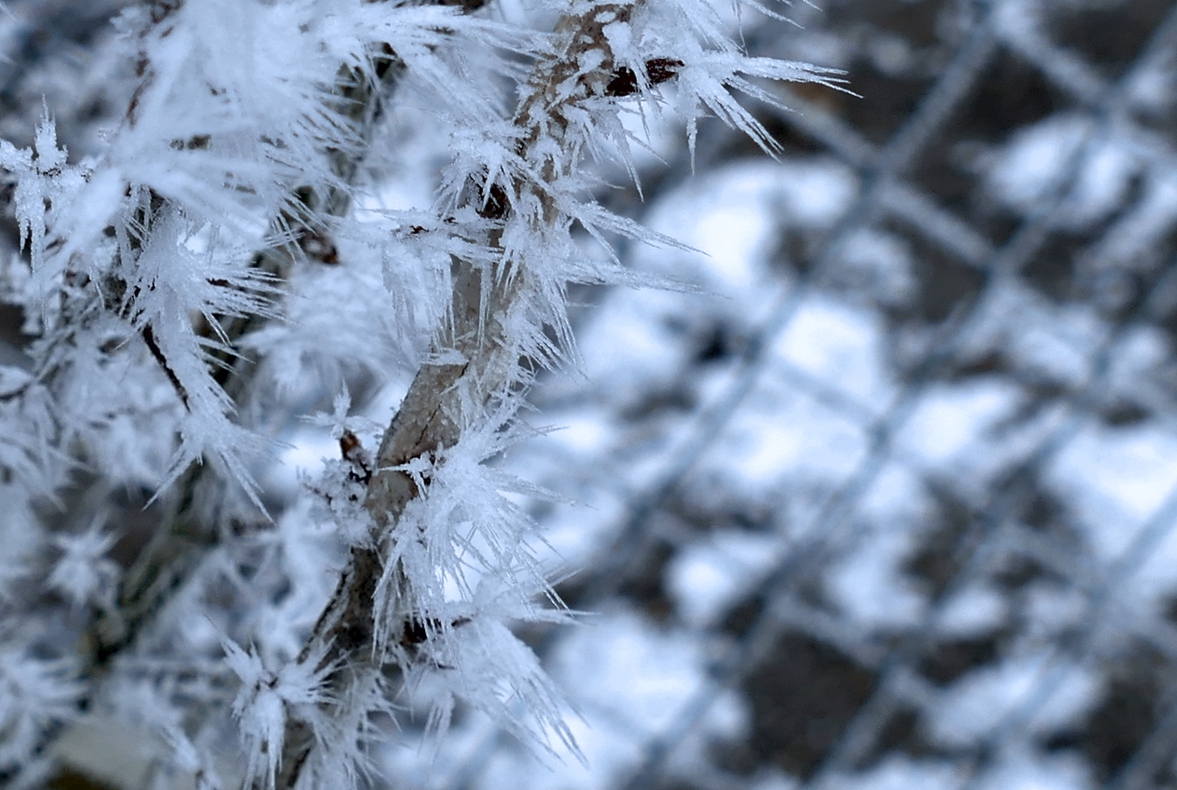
(157,261)
(440,530)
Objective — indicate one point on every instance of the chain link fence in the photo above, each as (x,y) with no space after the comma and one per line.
(892,504)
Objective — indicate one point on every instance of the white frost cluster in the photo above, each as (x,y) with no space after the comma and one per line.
(230,213)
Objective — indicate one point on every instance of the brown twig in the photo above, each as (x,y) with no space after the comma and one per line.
(432,413)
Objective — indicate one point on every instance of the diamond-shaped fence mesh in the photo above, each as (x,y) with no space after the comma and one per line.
(896,510)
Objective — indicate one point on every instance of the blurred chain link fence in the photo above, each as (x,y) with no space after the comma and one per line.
(909,496)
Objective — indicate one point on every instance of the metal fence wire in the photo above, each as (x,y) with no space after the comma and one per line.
(977,591)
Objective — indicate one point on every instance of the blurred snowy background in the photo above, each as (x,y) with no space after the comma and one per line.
(890,503)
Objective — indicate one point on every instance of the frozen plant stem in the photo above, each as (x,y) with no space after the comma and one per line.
(387,609)
(445,398)
(188,532)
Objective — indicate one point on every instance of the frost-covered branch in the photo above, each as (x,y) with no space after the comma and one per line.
(157,262)
(437,519)
(197,180)
(300,232)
